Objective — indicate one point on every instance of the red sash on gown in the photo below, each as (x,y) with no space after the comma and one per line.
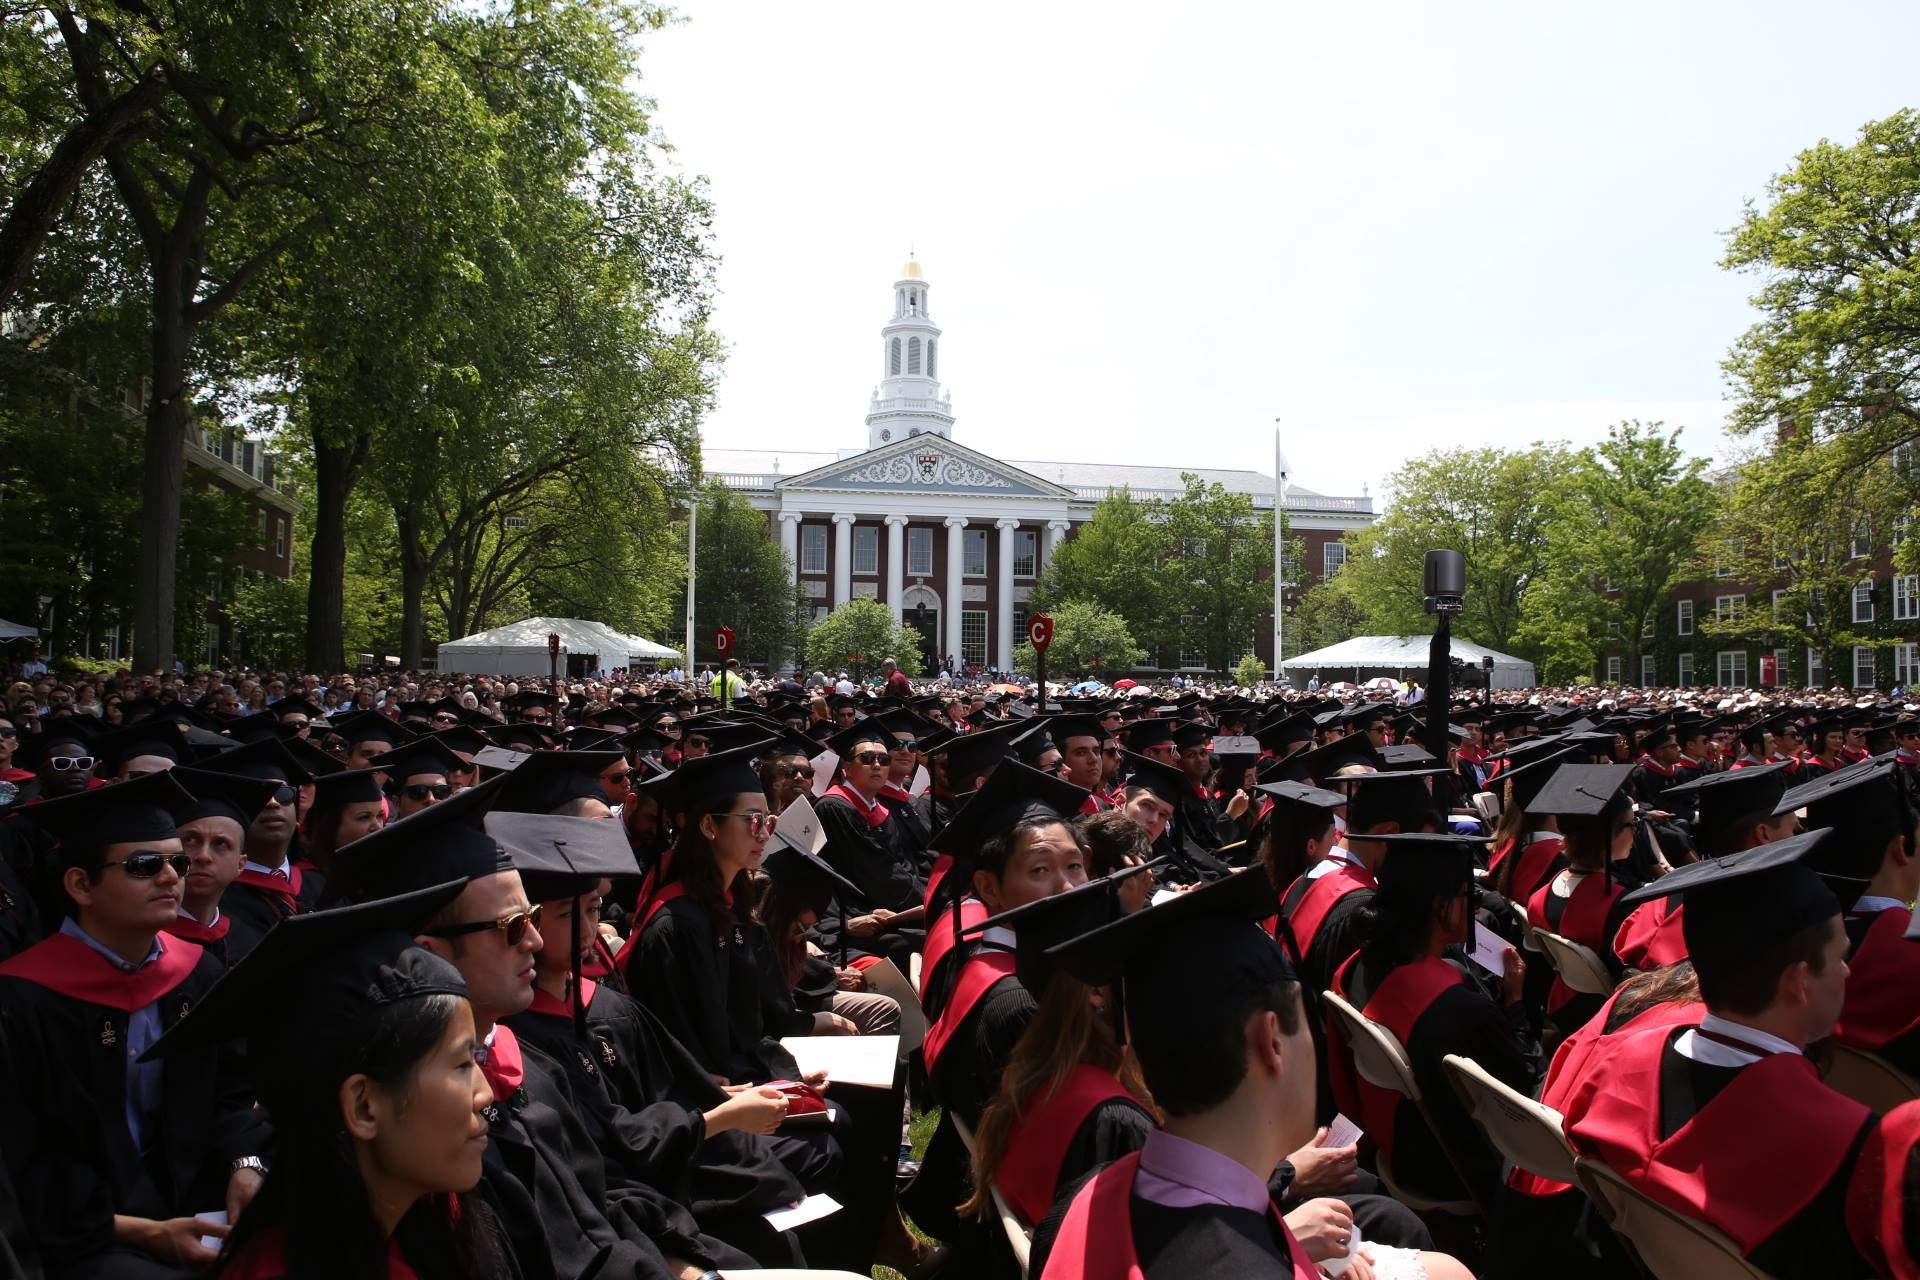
(201,935)
(1582,920)
(504,1068)
(1406,994)
(1748,1162)
(1876,1197)
(73,969)
(876,814)
(1029,1168)
(1883,1002)
(1535,867)
(1652,936)
(982,972)
(1577,1055)
(1095,1241)
(284,892)
(1317,902)
(943,936)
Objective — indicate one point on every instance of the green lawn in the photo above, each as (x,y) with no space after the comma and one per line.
(921,1132)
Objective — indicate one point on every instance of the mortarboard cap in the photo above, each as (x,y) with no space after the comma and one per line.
(369,726)
(1406,755)
(1042,925)
(808,877)
(1723,799)
(427,755)
(1765,894)
(561,857)
(1401,796)
(1167,783)
(720,773)
(1579,791)
(1014,792)
(348,786)
(970,755)
(463,740)
(118,748)
(546,780)
(521,736)
(139,809)
(223,795)
(1428,864)
(1322,763)
(294,704)
(1865,805)
(440,843)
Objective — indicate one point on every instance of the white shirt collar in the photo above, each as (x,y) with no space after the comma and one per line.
(188,915)
(284,869)
(1872,906)
(1715,1054)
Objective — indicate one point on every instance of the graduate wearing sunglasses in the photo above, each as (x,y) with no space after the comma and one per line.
(121,1154)
(873,847)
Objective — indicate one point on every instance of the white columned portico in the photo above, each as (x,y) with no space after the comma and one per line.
(842,558)
(1003,605)
(950,606)
(1050,541)
(790,540)
(896,564)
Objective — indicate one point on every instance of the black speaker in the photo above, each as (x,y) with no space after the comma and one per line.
(1446,573)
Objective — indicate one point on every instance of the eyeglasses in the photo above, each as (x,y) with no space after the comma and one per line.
(871,758)
(534,718)
(429,790)
(9,732)
(62,763)
(697,741)
(512,928)
(617,778)
(906,744)
(445,717)
(756,822)
(1111,751)
(146,865)
(798,771)
(284,797)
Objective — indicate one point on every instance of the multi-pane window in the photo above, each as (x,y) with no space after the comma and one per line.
(1780,666)
(1906,664)
(1648,670)
(1906,597)
(265,519)
(1683,617)
(1613,670)
(1778,598)
(919,552)
(1861,545)
(1026,552)
(813,548)
(1729,608)
(1732,673)
(1863,601)
(973,547)
(279,537)
(1332,556)
(973,637)
(1862,666)
(1684,676)
(866,549)
(1021,612)
(1646,628)
(1816,668)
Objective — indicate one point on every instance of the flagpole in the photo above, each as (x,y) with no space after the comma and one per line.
(1279,554)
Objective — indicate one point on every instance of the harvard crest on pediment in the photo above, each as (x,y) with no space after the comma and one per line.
(926,464)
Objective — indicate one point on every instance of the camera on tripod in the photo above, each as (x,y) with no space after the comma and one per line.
(1446,582)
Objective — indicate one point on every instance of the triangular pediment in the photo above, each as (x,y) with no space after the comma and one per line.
(926,464)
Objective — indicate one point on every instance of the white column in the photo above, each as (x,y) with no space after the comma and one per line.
(951,606)
(896,564)
(790,539)
(1050,541)
(842,558)
(1003,607)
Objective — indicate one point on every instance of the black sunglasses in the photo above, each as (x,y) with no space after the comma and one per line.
(513,928)
(798,771)
(871,758)
(146,865)
(699,742)
(425,790)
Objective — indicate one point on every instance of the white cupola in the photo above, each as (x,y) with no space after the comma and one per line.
(909,401)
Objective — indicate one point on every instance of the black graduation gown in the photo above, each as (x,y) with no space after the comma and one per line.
(1204,821)
(1815,1241)
(69,1144)
(934,812)
(564,1209)
(882,862)
(1339,936)
(1462,1020)
(706,991)
(19,918)
(254,911)
(967,1074)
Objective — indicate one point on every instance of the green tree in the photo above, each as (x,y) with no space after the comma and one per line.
(1089,643)
(746,582)
(1326,615)
(1116,561)
(856,637)
(1251,672)
(1494,506)
(1220,574)
(1837,348)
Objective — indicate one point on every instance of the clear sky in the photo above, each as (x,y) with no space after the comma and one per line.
(1152,229)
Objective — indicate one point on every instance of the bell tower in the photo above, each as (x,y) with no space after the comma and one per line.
(909,401)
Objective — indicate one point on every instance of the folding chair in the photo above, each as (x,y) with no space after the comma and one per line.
(1526,1132)
(1866,1077)
(1667,1244)
(1382,1061)
(1580,967)
(1019,1234)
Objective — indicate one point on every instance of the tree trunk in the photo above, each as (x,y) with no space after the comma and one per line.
(163,474)
(336,468)
(38,205)
(413,589)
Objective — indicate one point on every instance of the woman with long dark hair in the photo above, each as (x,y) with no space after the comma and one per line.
(1582,902)
(346,806)
(372,1078)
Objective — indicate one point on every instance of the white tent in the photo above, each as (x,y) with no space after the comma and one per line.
(1364,657)
(520,648)
(14,631)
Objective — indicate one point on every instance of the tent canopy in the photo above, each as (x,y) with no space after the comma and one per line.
(520,648)
(14,631)
(1364,657)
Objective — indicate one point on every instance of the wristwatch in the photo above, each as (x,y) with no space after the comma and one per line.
(254,1163)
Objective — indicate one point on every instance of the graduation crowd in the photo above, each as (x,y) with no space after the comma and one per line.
(468,977)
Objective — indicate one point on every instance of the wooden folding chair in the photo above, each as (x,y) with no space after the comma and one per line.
(1866,1077)
(1526,1132)
(1580,967)
(1381,1060)
(1666,1243)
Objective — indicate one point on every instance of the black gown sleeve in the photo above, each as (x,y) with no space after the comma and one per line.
(1117,1127)
(676,975)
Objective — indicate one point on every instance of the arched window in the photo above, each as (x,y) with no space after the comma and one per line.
(893,358)
(933,366)
(913,356)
